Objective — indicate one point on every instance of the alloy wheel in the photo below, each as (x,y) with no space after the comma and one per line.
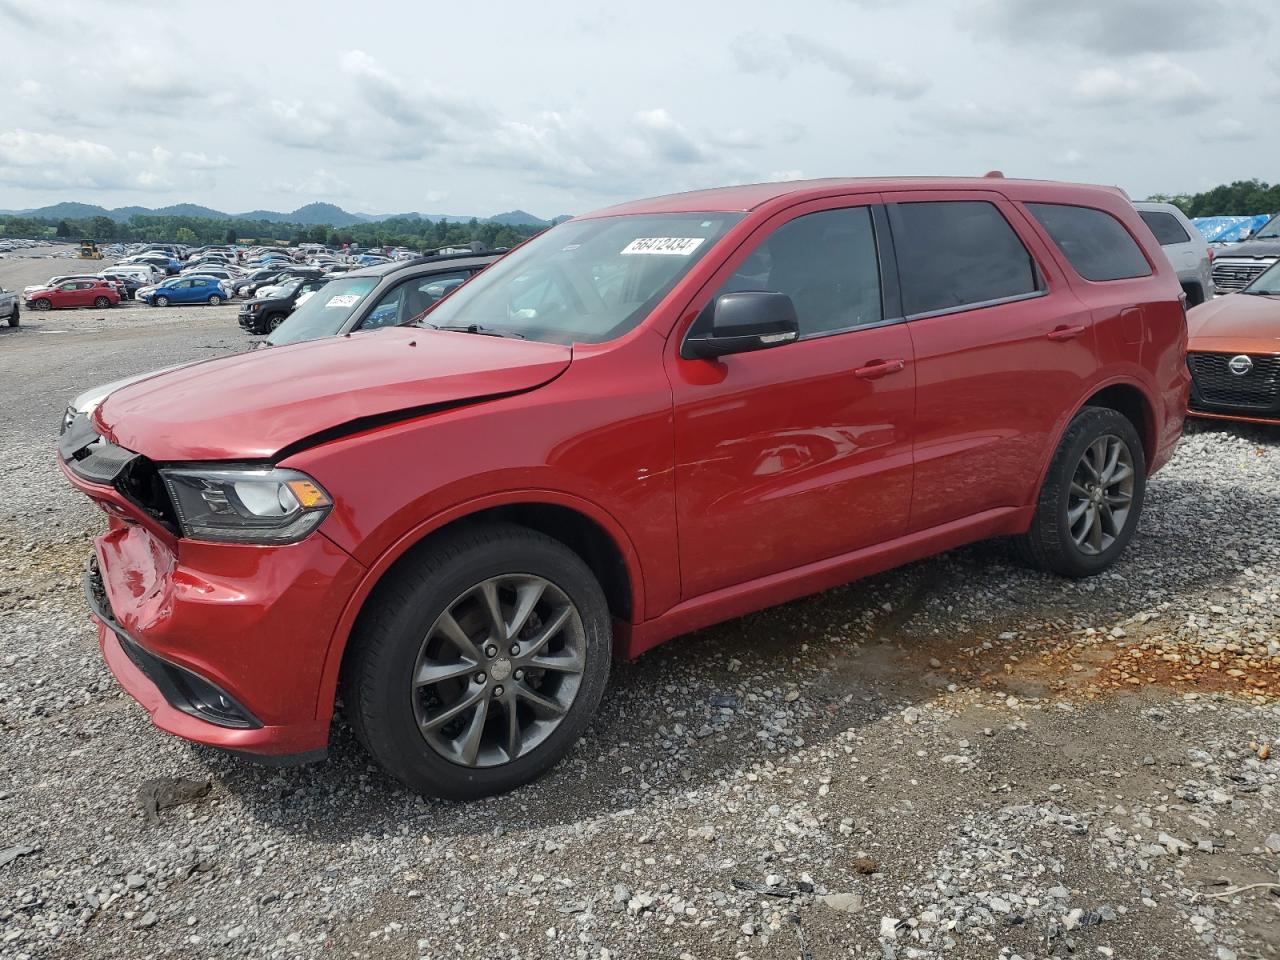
(498,670)
(1101,494)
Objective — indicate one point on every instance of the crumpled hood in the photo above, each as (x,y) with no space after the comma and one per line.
(251,406)
(1238,322)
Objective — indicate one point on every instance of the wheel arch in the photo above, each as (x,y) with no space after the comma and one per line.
(1128,398)
(586,529)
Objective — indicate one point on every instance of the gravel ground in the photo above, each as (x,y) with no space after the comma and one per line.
(958,759)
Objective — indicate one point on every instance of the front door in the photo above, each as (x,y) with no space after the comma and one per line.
(801,452)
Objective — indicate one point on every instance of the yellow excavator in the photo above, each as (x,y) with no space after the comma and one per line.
(89,250)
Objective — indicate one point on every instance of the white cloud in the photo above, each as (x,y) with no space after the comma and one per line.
(756,53)
(34,160)
(319,184)
(1153,81)
(1111,27)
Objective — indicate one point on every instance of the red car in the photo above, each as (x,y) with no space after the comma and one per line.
(645,420)
(74,293)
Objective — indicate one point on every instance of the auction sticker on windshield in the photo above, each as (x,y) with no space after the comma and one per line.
(669,246)
(343,300)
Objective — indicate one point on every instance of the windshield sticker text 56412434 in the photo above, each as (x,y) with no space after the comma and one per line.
(343,300)
(669,246)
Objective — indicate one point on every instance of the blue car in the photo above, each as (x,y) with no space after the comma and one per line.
(196,289)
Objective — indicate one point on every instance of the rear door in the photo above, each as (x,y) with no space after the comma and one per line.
(1001,344)
(802,452)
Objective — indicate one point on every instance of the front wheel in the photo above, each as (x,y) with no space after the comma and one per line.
(13,317)
(1092,497)
(214,300)
(478,662)
(102,303)
(43,304)
(161,301)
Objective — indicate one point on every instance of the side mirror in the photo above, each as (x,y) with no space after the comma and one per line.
(742,322)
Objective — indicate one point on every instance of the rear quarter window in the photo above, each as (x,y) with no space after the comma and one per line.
(1094,242)
(1165,226)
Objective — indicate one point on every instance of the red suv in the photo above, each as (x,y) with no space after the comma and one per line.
(645,420)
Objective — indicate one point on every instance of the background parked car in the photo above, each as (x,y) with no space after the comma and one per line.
(263,314)
(1242,263)
(184,290)
(1187,250)
(385,295)
(93,292)
(127,284)
(1233,351)
(9,306)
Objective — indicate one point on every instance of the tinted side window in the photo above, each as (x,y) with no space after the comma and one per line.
(1165,226)
(955,253)
(402,303)
(1096,243)
(826,263)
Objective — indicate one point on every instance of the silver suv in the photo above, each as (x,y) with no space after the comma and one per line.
(1186,249)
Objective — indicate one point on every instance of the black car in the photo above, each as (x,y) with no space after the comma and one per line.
(264,314)
(389,294)
(127,283)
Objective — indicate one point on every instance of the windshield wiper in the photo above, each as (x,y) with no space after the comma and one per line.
(474,328)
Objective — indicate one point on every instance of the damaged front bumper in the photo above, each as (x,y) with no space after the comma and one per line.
(222,643)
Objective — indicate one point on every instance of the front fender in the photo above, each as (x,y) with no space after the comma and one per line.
(374,573)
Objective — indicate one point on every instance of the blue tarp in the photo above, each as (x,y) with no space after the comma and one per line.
(1229,229)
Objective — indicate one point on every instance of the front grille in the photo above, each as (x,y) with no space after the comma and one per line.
(1235,274)
(1216,385)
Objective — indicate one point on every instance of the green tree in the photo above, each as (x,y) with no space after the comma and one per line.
(185,235)
(102,228)
(230,235)
(63,230)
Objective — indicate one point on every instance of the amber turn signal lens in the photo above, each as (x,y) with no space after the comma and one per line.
(308,494)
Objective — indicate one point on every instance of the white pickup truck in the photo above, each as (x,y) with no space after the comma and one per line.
(9,306)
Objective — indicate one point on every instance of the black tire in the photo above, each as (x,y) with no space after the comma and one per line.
(13,317)
(274,321)
(102,303)
(42,304)
(1050,543)
(383,655)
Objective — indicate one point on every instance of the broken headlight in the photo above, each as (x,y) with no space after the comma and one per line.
(246,504)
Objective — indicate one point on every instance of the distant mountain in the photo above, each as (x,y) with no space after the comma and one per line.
(312,214)
(518,218)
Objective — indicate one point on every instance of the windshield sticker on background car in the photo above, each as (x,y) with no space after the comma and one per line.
(343,300)
(670,246)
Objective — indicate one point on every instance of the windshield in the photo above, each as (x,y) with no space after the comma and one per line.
(1271,231)
(585,281)
(1266,283)
(286,289)
(323,315)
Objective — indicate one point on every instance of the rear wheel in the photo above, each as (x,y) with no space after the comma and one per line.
(102,303)
(478,662)
(1092,497)
(214,300)
(161,301)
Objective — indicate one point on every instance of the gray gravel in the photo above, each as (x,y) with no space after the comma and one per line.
(958,759)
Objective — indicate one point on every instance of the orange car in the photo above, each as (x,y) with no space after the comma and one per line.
(1233,351)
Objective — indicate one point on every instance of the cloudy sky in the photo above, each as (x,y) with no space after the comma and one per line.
(561,107)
